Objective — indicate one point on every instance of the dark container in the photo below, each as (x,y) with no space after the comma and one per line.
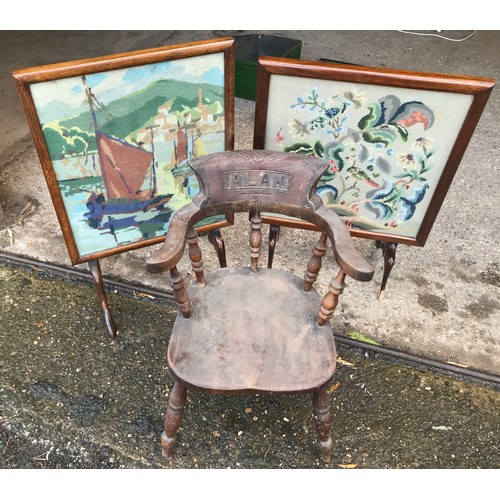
(248,49)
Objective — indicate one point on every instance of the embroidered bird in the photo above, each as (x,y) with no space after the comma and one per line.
(361,175)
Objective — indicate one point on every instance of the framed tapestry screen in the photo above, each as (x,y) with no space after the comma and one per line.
(114,134)
(393,139)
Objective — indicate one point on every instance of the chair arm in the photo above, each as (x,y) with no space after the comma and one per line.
(172,249)
(347,257)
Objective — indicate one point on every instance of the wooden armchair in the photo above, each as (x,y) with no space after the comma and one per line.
(255,330)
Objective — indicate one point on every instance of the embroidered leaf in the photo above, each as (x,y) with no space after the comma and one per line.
(363,154)
(332,151)
(328,193)
(383,165)
(372,119)
(319,149)
(413,112)
(384,136)
(379,209)
(402,130)
(402,175)
(387,188)
(302,148)
(409,205)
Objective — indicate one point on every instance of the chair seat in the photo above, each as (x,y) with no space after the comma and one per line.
(252,331)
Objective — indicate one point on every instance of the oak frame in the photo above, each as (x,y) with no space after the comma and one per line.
(25,78)
(479,88)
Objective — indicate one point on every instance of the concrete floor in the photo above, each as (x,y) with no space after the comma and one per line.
(71,399)
(442,301)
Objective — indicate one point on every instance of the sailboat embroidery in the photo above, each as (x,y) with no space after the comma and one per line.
(185,147)
(124,168)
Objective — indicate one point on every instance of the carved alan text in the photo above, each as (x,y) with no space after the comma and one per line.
(257,179)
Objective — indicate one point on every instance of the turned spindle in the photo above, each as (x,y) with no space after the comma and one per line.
(180,294)
(331,299)
(255,239)
(196,257)
(314,264)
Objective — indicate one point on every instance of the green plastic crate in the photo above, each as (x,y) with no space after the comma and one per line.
(248,49)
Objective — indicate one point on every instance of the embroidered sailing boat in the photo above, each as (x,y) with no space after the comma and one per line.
(123,168)
(184,177)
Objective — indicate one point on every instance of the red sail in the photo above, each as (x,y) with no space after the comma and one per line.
(181,146)
(123,168)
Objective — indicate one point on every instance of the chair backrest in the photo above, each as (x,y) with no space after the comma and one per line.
(258,181)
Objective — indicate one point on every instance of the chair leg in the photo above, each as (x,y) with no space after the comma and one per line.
(323,423)
(173,418)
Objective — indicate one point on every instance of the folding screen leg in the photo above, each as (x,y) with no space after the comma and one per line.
(274,235)
(95,270)
(389,252)
(215,237)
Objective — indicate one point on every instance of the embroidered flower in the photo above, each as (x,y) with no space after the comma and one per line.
(331,112)
(355,97)
(332,166)
(298,129)
(422,143)
(407,160)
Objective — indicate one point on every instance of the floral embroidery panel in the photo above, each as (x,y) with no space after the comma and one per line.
(386,146)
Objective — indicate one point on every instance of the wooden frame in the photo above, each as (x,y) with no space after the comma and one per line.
(113,135)
(394,139)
